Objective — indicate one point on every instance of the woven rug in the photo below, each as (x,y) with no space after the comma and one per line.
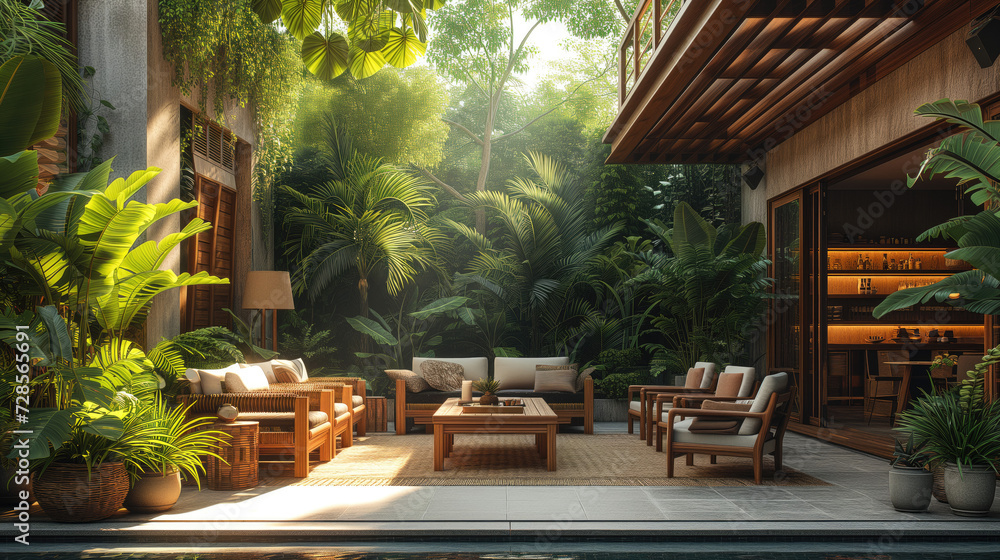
(511,460)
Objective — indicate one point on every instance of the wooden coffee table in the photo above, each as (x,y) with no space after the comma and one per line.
(537,419)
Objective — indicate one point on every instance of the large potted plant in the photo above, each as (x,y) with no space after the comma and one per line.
(909,480)
(86,477)
(958,428)
(175,446)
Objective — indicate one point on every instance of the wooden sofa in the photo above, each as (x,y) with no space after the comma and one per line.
(517,373)
(293,422)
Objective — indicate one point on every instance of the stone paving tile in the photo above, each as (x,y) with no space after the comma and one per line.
(542,493)
(682,493)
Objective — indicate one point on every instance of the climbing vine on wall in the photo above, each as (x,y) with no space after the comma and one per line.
(221,50)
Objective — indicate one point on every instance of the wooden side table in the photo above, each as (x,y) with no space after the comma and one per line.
(241,454)
(378,420)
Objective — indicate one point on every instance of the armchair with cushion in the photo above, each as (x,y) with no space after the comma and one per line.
(734,384)
(642,408)
(733,429)
(290,423)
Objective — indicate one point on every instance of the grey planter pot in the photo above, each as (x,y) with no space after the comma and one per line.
(153,492)
(910,488)
(970,493)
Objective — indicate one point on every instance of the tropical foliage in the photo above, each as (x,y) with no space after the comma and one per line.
(370,220)
(393,32)
(77,249)
(973,157)
(708,286)
(542,256)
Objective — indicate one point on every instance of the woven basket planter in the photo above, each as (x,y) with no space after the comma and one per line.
(67,495)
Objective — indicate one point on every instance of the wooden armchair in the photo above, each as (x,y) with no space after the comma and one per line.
(736,383)
(295,423)
(358,403)
(641,410)
(341,415)
(761,431)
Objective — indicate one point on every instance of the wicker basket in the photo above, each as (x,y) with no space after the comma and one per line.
(66,494)
(241,454)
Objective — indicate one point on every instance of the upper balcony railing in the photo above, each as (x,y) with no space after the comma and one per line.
(649,25)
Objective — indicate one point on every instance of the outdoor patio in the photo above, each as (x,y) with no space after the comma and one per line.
(854,507)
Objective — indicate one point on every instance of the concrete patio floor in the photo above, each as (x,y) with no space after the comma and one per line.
(855,507)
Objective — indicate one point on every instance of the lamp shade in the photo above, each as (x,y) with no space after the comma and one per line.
(268,289)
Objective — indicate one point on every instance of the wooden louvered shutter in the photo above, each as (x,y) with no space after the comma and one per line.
(54,154)
(212,251)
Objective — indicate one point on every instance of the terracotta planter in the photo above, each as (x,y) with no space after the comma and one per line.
(154,492)
(67,494)
(970,493)
(910,488)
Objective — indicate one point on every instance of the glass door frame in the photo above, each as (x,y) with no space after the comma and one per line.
(774,339)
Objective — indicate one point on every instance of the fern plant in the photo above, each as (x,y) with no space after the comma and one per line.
(299,341)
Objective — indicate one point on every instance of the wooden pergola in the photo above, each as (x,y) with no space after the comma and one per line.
(726,80)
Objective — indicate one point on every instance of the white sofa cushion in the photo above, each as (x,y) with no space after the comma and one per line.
(208,381)
(519,373)
(475,368)
(749,378)
(774,383)
(683,435)
(635,405)
(245,380)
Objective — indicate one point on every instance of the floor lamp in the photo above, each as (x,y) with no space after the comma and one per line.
(268,289)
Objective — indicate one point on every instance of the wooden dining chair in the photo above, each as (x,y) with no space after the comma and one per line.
(883,389)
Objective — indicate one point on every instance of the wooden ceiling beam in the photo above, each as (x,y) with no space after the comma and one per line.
(714,68)
(939,20)
(647,102)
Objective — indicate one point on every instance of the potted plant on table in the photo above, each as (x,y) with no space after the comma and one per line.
(909,480)
(961,430)
(488,386)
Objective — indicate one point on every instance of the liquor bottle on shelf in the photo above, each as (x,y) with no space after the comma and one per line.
(919,263)
(909,263)
(892,264)
(861,262)
(885,261)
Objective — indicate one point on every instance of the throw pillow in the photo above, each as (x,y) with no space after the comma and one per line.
(561,380)
(729,384)
(729,425)
(443,376)
(693,379)
(246,380)
(267,368)
(296,365)
(212,379)
(284,373)
(414,383)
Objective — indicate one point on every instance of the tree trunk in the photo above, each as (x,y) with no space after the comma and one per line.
(484,167)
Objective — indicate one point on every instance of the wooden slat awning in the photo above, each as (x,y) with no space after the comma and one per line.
(727,80)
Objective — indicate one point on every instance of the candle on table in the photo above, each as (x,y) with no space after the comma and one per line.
(466,391)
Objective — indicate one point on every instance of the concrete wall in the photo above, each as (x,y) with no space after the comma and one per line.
(879,115)
(121,39)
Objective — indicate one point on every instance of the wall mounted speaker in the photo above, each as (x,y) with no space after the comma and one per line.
(984,38)
(753,176)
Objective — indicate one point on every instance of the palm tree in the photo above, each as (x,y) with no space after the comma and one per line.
(369,219)
(542,252)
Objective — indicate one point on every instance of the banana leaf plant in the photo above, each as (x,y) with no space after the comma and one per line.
(91,282)
(973,157)
(709,288)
